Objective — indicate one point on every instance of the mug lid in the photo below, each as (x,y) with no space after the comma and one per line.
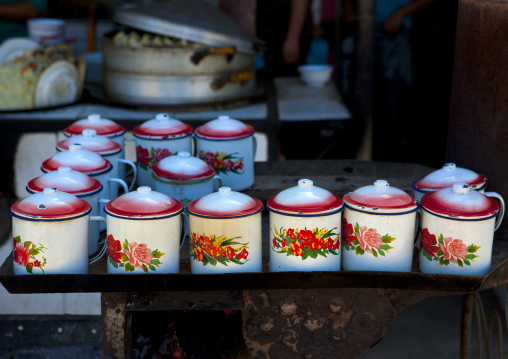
(380,196)
(224,128)
(182,166)
(162,126)
(448,175)
(65,180)
(459,201)
(92,142)
(143,203)
(225,203)
(305,198)
(103,126)
(50,204)
(78,159)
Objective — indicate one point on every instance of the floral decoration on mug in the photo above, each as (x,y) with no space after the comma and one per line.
(218,249)
(132,255)
(223,162)
(446,250)
(147,158)
(25,253)
(361,240)
(306,243)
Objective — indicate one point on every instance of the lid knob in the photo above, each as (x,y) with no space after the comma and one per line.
(449,166)
(223,117)
(461,188)
(225,190)
(144,189)
(183,154)
(381,183)
(94,117)
(162,117)
(50,190)
(64,169)
(75,147)
(305,183)
(89,132)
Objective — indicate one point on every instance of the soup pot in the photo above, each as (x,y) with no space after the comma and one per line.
(50,233)
(229,146)
(225,233)
(458,227)
(378,229)
(105,147)
(78,184)
(305,229)
(144,233)
(157,139)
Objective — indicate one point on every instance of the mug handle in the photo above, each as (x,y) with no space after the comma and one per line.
(217,182)
(254,147)
(185,222)
(104,243)
(501,208)
(134,169)
(418,231)
(122,183)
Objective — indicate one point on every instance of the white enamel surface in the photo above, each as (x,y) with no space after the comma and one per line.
(248,228)
(397,259)
(224,202)
(77,156)
(94,142)
(461,199)
(450,173)
(243,148)
(185,164)
(175,145)
(226,124)
(67,178)
(479,233)
(280,262)
(161,234)
(65,243)
(305,193)
(163,124)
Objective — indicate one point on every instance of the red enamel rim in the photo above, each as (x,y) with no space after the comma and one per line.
(51,165)
(160,132)
(30,210)
(104,150)
(258,206)
(478,182)
(387,203)
(207,132)
(430,203)
(328,204)
(182,176)
(108,129)
(131,208)
(93,185)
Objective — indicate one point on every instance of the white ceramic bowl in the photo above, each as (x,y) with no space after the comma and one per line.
(315,75)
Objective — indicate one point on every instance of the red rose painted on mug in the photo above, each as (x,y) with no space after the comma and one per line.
(446,250)
(362,239)
(133,255)
(26,254)
(146,158)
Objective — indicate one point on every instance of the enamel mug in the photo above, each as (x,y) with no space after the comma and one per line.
(50,233)
(157,139)
(458,225)
(144,233)
(87,162)
(229,146)
(305,229)
(80,185)
(103,127)
(225,233)
(105,147)
(379,229)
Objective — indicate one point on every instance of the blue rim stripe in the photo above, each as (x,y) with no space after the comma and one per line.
(306,215)
(228,217)
(382,214)
(162,138)
(33,219)
(110,168)
(223,139)
(461,219)
(143,218)
(77,195)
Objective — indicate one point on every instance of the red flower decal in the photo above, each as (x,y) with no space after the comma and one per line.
(161,153)
(348,230)
(291,233)
(230,252)
(21,253)
(369,238)
(453,249)
(243,254)
(428,242)
(275,243)
(139,254)
(306,236)
(114,249)
(143,156)
(296,248)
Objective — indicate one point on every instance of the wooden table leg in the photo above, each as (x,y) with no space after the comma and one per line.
(116,326)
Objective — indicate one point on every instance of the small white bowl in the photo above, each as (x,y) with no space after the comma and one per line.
(315,75)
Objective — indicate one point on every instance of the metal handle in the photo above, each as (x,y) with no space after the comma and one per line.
(134,169)
(254,147)
(199,55)
(241,77)
(122,183)
(104,243)
(185,222)
(217,183)
(501,208)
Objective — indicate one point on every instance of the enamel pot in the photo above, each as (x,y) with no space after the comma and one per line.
(229,146)
(105,147)
(87,162)
(144,233)
(157,139)
(305,229)
(225,233)
(378,229)
(458,227)
(80,185)
(103,127)
(50,232)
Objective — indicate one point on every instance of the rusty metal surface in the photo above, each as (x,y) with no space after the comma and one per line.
(320,323)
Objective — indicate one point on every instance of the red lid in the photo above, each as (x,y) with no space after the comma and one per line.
(143,203)
(103,126)
(380,196)
(182,167)
(50,204)
(162,126)
(91,142)
(224,128)
(78,159)
(449,175)
(305,198)
(460,201)
(225,203)
(65,180)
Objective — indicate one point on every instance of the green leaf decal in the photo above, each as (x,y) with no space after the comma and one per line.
(472,248)
(381,252)
(459,262)
(152,268)
(471,256)
(359,250)
(374,253)
(386,247)
(27,244)
(129,267)
(387,239)
(145,268)
(28,268)
(18,239)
